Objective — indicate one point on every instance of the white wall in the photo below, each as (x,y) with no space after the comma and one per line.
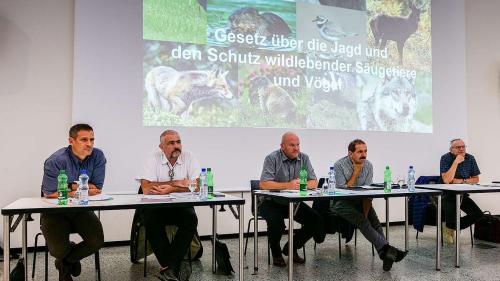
(483,92)
(36,62)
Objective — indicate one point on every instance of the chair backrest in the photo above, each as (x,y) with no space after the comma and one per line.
(428,180)
(321,181)
(254,185)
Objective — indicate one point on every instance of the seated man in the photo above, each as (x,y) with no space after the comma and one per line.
(169,170)
(56,228)
(457,166)
(355,170)
(281,171)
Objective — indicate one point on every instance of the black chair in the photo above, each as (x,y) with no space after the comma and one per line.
(96,259)
(332,221)
(430,219)
(254,185)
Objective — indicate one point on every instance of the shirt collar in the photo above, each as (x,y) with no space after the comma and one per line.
(164,160)
(284,158)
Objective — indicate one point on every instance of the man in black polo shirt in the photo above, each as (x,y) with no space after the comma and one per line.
(458,167)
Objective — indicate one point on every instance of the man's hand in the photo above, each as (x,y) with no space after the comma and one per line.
(459,159)
(161,189)
(94,191)
(181,183)
(294,184)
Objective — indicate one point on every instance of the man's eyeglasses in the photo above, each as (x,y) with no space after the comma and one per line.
(460,147)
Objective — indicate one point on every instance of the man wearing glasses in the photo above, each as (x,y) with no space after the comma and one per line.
(457,167)
(168,170)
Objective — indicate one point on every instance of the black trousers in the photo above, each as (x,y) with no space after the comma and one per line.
(170,254)
(56,229)
(472,211)
(275,213)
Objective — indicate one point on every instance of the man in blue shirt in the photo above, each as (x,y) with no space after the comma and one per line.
(56,228)
(457,166)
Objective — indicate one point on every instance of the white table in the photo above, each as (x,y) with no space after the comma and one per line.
(25,206)
(367,192)
(458,190)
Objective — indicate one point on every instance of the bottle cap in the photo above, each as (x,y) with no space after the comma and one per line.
(331,168)
(411,167)
(83,171)
(209,169)
(203,170)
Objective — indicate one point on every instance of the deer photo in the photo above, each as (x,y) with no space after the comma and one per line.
(395,28)
(177,91)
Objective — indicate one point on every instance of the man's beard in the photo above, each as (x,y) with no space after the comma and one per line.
(175,154)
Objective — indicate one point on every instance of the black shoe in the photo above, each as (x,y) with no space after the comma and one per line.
(76,269)
(64,270)
(168,275)
(184,271)
(296,257)
(389,255)
(279,261)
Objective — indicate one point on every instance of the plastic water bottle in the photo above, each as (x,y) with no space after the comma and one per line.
(387,180)
(411,179)
(331,181)
(203,184)
(62,188)
(303,181)
(83,188)
(210,183)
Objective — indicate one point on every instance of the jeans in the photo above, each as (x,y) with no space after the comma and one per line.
(275,213)
(56,229)
(473,212)
(170,254)
(370,227)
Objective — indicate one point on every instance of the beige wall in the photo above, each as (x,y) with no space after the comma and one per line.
(483,91)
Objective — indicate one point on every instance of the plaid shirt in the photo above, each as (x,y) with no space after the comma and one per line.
(468,168)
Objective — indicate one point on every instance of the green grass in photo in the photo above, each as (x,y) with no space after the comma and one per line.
(179,21)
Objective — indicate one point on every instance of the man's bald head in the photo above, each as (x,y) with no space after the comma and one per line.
(290,145)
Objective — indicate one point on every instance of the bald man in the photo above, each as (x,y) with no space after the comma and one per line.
(281,171)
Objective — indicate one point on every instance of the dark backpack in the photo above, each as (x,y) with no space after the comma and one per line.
(17,274)
(222,258)
(487,228)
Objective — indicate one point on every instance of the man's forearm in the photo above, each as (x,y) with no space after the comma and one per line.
(268,185)
(450,174)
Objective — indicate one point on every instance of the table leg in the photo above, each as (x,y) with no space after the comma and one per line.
(387,219)
(6,247)
(214,233)
(290,241)
(406,224)
(241,210)
(255,236)
(438,233)
(457,232)
(25,245)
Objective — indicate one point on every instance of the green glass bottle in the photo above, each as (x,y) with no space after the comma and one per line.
(303,181)
(387,180)
(62,188)
(210,183)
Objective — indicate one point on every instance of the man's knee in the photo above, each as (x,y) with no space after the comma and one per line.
(95,242)
(58,250)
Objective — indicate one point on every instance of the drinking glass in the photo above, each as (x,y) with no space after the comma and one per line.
(400,180)
(192,187)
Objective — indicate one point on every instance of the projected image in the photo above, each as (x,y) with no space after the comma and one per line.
(323,64)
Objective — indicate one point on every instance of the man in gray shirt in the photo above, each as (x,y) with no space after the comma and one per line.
(281,171)
(355,170)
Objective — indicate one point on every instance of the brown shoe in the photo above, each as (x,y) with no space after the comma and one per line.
(279,261)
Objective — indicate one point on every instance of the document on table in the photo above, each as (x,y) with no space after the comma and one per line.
(157,198)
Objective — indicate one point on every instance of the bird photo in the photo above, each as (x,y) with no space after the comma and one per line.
(330,30)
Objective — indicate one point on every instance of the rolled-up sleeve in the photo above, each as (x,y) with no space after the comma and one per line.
(268,169)
(475,168)
(99,172)
(50,173)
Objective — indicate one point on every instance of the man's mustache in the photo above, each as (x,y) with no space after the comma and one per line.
(362,158)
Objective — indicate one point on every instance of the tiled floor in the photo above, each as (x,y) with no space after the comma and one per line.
(478,262)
